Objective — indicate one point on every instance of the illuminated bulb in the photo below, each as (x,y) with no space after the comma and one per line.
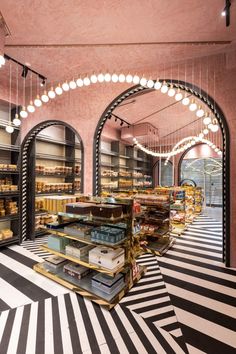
(207,119)
(214,128)
(121,78)
(65,86)
(51,93)
(210,126)
(213,146)
(107,77)
(193,106)
(143,81)
(216,149)
(185,101)
(93,78)
(23,113)
(193,142)
(164,88)
(200,112)
(37,102)
(59,90)
(79,82)
(201,135)
(150,83)
(44,97)
(129,78)
(188,145)
(72,85)
(136,79)
(157,85)
(2,60)
(220,153)
(178,95)
(9,129)
(171,91)
(115,78)
(223,13)
(210,143)
(101,77)
(30,107)
(86,81)
(205,131)
(16,120)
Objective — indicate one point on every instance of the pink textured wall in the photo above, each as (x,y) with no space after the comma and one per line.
(201,151)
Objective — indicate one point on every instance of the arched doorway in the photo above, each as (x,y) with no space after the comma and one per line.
(215,109)
(28,172)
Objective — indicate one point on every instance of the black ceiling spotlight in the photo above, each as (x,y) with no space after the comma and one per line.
(226,12)
(24,72)
(43,82)
(121,123)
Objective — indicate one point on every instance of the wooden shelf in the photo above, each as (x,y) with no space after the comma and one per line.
(9,217)
(84,262)
(9,241)
(48,139)
(7,172)
(55,175)
(6,194)
(52,193)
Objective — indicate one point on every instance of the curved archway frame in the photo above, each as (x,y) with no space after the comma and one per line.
(215,109)
(27,164)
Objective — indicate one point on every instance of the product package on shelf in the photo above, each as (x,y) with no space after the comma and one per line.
(106,257)
(5,234)
(8,167)
(8,207)
(76,270)
(79,208)
(56,262)
(57,243)
(198,200)
(56,170)
(107,283)
(78,249)
(78,230)
(57,203)
(189,203)
(107,211)
(178,211)
(46,187)
(107,234)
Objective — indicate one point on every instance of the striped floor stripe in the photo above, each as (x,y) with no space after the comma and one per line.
(201,289)
(71,324)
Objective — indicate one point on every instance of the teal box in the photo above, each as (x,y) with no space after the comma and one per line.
(57,243)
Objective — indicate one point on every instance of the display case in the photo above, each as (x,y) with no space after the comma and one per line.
(198,200)
(95,249)
(177,211)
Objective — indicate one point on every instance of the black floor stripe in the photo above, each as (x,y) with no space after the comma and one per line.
(25,286)
(196,289)
(88,326)
(197,254)
(205,343)
(204,312)
(185,244)
(147,298)
(40,334)
(200,237)
(203,265)
(162,316)
(7,332)
(146,283)
(150,349)
(148,275)
(171,326)
(19,257)
(57,335)
(200,242)
(21,349)
(106,331)
(152,307)
(143,291)
(75,341)
(3,306)
(181,268)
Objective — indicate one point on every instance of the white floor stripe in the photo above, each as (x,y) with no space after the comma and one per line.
(83,335)
(165,321)
(170,340)
(48,285)
(144,295)
(200,282)
(210,247)
(203,232)
(26,253)
(201,300)
(49,341)
(156,312)
(149,286)
(176,332)
(104,349)
(11,296)
(3,320)
(140,305)
(15,332)
(32,330)
(211,329)
(65,332)
(175,252)
(212,242)
(144,280)
(95,323)
(202,236)
(195,250)
(193,350)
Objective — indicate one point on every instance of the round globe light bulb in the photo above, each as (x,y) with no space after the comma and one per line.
(44,97)
(129,78)
(207,119)
(2,60)
(114,78)
(59,90)
(30,107)
(205,131)
(171,91)
(219,153)
(94,79)
(16,121)
(51,93)
(164,87)
(72,85)
(143,81)
(65,86)
(107,77)
(150,83)
(136,79)
(193,142)
(101,77)
(23,113)
(185,101)
(9,129)
(193,106)
(213,146)
(86,81)
(157,85)
(79,82)
(214,128)
(216,149)
(37,102)
(178,96)
(201,135)
(121,78)
(200,112)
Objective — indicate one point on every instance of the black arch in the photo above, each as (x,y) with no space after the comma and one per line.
(215,109)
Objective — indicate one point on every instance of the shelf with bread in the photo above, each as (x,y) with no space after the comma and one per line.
(9,182)
(177,211)
(92,247)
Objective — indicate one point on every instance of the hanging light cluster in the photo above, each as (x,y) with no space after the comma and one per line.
(2,61)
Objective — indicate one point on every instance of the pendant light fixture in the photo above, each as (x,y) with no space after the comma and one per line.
(87,80)
(129,78)
(193,106)
(72,85)
(23,112)
(207,119)
(164,87)
(114,78)
(16,120)
(200,112)
(157,85)
(9,128)
(65,86)
(101,78)
(178,95)
(51,93)
(143,81)
(80,82)
(37,101)
(30,107)
(107,77)
(58,90)
(93,79)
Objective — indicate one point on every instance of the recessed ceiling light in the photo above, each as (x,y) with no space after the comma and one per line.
(27,64)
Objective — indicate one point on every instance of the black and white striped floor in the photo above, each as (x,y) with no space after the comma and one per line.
(187,296)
